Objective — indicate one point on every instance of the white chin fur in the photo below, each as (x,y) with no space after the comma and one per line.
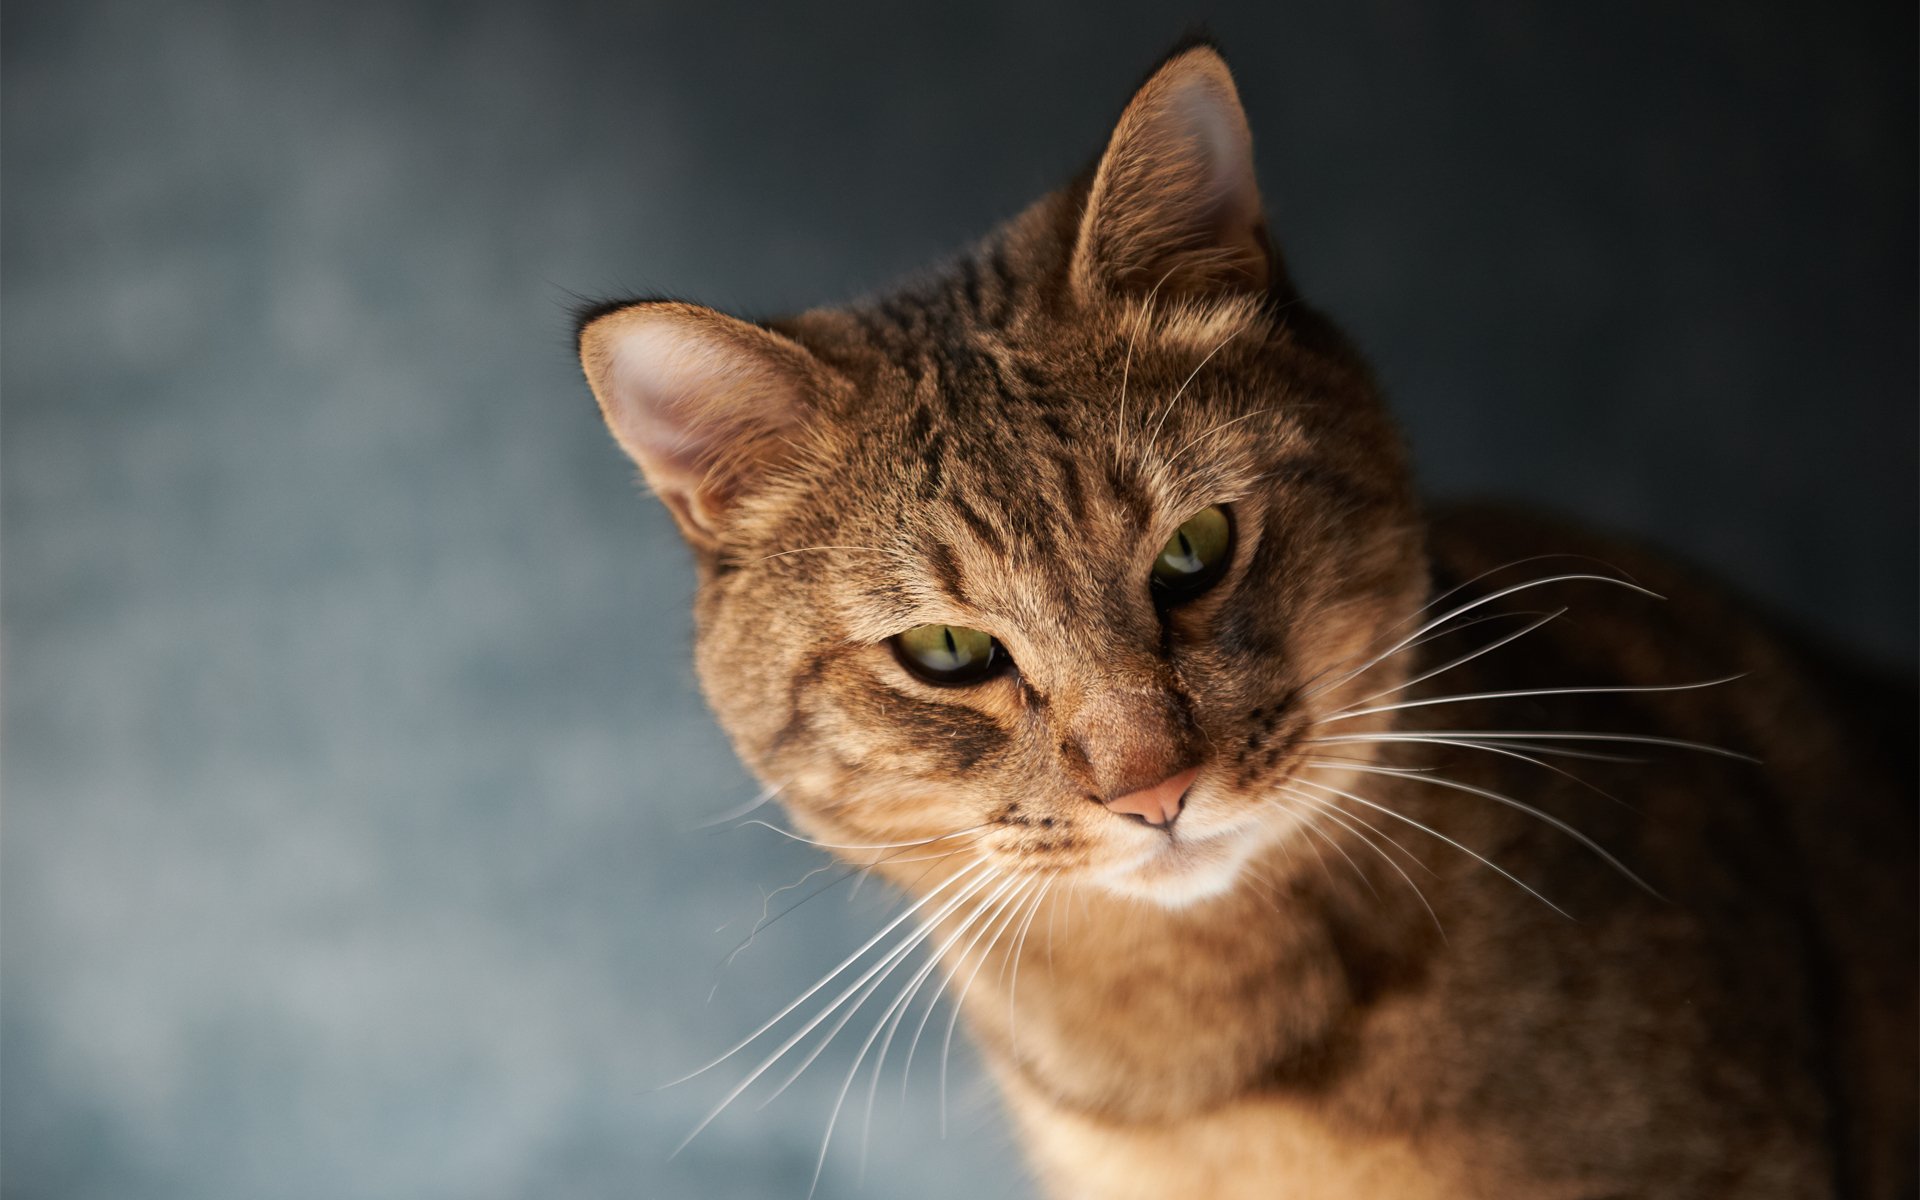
(1183,873)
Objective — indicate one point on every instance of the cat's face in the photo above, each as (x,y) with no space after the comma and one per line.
(1048,559)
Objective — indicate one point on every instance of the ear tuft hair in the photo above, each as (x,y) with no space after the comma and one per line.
(697,399)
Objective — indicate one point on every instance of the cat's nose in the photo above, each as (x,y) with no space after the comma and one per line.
(1159,804)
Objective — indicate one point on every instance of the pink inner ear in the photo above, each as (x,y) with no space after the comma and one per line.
(668,391)
(691,394)
(1217,132)
(1175,199)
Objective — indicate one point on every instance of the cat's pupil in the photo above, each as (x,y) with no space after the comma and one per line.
(948,654)
(1195,556)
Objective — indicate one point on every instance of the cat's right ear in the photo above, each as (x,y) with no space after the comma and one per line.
(700,400)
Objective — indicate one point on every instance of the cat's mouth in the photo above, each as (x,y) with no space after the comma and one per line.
(1183,869)
(1192,859)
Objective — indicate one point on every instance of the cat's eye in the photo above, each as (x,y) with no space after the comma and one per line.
(948,654)
(1195,556)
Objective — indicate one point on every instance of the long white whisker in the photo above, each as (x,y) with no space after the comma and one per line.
(826,1139)
(896,1013)
(1561,751)
(1463,659)
(1441,597)
(1429,830)
(1519,806)
(1376,831)
(1505,752)
(885,964)
(1313,827)
(1421,735)
(740,810)
(1335,812)
(1465,697)
(959,1002)
(899,956)
(868,846)
(906,1071)
(857,872)
(830,975)
(1468,607)
(1019,944)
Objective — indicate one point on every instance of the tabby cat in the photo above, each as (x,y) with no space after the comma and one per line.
(1279,838)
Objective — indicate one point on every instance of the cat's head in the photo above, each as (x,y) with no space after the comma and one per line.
(1064,540)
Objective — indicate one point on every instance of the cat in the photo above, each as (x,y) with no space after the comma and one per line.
(1320,846)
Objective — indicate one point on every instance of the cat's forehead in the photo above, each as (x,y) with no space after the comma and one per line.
(1013,462)
(1022,522)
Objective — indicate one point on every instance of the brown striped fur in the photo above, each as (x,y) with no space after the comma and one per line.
(1261,1004)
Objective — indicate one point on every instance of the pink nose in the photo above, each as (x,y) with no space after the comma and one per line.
(1159,804)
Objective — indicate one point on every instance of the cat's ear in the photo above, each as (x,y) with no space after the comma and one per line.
(1174,204)
(700,400)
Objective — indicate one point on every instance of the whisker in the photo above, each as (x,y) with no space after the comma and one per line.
(829,976)
(826,1139)
(1421,735)
(1508,752)
(901,955)
(1019,944)
(1463,659)
(1465,697)
(886,963)
(1469,606)
(1313,827)
(1562,752)
(815,549)
(833,1119)
(959,1003)
(1320,858)
(1429,830)
(1441,598)
(1376,831)
(1520,806)
(856,872)
(869,846)
(906,1070)
(766,905)
(735,813)
(1334,811)
(896,1014)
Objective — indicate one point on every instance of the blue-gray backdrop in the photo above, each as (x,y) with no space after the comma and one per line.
(351,748)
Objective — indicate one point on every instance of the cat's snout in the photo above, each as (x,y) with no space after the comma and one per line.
(1157,805)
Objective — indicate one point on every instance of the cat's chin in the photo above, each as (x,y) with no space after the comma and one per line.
(1180,873)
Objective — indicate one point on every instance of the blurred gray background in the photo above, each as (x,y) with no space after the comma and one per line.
(351,748)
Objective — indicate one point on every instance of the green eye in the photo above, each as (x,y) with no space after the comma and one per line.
(1195,556)
(948,654)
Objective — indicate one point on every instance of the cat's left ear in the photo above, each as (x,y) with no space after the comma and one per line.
(1174,204)
(703,402)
